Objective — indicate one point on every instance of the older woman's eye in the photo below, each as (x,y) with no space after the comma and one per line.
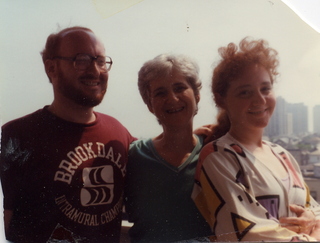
(159,94)
(244,93)
(180,88)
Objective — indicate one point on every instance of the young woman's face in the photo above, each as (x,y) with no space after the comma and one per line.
(250,99)
(172,100)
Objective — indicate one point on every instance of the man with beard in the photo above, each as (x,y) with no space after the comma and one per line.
(63,166)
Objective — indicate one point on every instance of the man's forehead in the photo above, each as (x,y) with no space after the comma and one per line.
(72,40)
(76,33)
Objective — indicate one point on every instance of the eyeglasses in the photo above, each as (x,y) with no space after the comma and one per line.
(81,62)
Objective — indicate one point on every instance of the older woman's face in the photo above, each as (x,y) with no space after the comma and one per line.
(172,100)
(250,99)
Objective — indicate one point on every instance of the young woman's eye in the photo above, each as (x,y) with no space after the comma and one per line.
(266,90)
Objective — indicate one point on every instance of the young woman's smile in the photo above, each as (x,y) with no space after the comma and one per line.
(250,100)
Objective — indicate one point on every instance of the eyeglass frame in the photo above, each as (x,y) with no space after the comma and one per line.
(92,58)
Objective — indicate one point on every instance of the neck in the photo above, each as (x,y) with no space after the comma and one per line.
(250,139)
(176,139)
(175,145)
(72,112)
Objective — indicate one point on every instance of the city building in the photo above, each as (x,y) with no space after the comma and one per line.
(316,119)
(314,157)
(278,124)
(299,113)
(289,119)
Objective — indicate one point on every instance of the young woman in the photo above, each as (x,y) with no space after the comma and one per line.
(160,171)
(249,189)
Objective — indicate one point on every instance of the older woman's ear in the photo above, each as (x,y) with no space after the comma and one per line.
(150,108)
(197,98)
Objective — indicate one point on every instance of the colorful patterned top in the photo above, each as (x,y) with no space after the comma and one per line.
(242,199)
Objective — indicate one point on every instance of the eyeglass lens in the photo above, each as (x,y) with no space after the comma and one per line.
(82,62)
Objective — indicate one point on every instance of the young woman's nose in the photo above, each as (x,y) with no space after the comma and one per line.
(259,98)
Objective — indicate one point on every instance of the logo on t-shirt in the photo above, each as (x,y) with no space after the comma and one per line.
(98,186)
(92,177)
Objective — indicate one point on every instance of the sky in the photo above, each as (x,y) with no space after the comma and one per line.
(132,35)
(136,31)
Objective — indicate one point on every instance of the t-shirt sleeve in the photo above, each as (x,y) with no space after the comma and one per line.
(10,160)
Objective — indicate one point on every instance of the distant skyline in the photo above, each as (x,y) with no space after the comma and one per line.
(310,111)
(291,119)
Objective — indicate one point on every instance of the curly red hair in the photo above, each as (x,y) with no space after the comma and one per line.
(235,59)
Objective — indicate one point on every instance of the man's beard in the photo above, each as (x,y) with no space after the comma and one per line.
(77,95)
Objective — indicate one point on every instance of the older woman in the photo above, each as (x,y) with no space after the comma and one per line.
(160,171)
(249,189)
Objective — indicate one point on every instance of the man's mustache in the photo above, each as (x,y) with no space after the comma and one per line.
(89,76)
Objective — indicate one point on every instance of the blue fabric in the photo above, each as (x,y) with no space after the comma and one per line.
(158,196)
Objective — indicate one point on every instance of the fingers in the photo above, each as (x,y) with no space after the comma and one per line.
(202,131)
(290,220)
(299,229)
(303,223)
(298,210)
(298,225)
(294,223)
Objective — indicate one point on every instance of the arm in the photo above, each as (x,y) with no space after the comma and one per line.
(226,200)
(8,174)
(7,215)
(206,131)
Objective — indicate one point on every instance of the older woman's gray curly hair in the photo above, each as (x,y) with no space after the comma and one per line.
(163,66)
